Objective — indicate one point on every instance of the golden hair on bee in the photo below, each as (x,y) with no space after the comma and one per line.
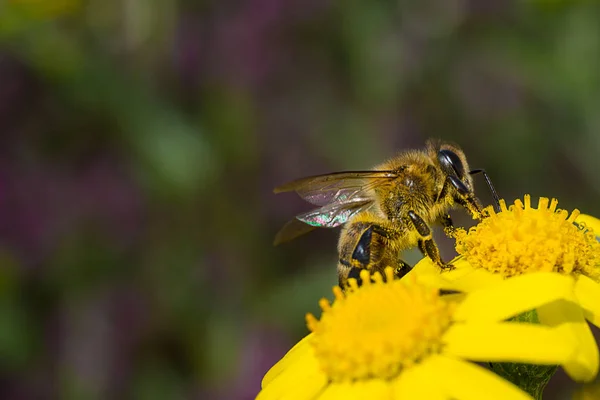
(389,209)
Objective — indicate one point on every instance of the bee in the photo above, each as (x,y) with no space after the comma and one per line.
(389,209)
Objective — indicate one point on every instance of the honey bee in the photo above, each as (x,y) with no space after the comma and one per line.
(389,209)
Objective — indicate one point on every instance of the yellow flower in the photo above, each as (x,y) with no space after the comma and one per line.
(525,241)
(400,339)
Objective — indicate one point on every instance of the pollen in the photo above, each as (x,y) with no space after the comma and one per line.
(378,329)
(521,239)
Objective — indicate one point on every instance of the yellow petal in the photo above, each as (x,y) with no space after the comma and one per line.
(588,294)
(372,389)
(590,222)
(289,386)
(360,390)
(465,278)
(424,267)
(509,342)
(426,272)
(300,350)
(466,381)
(418,382)
(301,376)
(568,316)
(515,295)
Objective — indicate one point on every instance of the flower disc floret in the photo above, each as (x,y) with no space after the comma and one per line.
(379,329)
(522,239)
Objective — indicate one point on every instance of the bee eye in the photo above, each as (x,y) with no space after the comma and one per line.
(451,163)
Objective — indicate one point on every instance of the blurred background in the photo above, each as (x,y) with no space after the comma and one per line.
(140,142)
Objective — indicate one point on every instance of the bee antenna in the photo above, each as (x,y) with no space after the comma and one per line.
(490,185)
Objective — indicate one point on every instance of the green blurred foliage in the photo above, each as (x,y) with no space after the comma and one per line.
(141,142)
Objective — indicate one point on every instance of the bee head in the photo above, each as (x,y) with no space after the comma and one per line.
(452,161)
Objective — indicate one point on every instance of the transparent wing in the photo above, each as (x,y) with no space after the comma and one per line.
(336,187)
(329,216)
(334,214)
(292,230)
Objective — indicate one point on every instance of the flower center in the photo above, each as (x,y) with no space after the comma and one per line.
(522,239)
(376,330)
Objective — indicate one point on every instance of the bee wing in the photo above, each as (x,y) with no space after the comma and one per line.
(329,216)
(292,230)
(342,187)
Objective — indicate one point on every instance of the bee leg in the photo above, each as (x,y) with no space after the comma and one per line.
(472,205)
(368,253)
(466,198)
(402,269)
(426,243)
(446,222)
(362,253)
(444,192)
(430,249)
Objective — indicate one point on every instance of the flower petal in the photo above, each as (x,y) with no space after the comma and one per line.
(301,376)
(588,294)
(462,278)
(426,272)
(469,381)
(590,222)
(300,350)
(514,296)
(372,389)
(292,386)
(416,383)
(509,342)
(465,278)
(360,390)
(568,316)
